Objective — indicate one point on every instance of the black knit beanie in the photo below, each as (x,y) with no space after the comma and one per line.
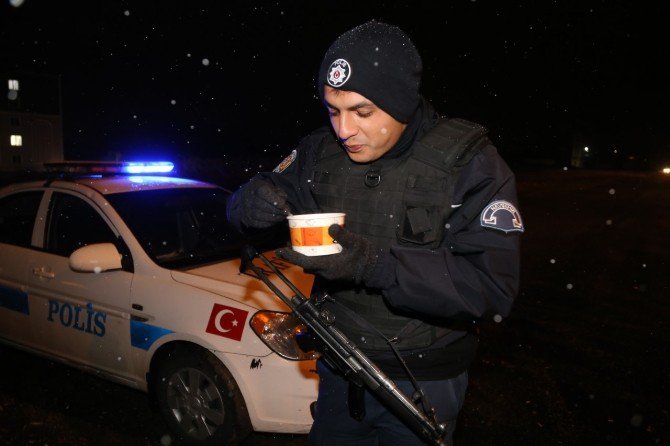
(378,61)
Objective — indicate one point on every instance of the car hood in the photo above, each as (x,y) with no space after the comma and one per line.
(225,279)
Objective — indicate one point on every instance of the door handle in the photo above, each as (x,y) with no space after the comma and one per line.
(42,272)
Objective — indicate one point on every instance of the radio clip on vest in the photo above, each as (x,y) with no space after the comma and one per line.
(343,354)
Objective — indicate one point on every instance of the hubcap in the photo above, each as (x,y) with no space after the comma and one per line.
(195,402)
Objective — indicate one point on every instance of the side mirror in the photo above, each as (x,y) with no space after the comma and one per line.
(95,258)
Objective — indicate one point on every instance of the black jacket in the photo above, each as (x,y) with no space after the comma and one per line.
(473,274)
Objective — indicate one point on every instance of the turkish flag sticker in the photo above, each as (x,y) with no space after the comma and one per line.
(227,322)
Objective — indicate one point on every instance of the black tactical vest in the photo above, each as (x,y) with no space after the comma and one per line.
(400,201)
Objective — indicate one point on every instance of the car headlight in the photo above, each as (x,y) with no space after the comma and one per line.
(279,331)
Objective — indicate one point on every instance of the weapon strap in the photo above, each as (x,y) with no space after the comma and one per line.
(419,394)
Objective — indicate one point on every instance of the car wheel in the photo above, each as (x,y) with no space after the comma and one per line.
(199,400)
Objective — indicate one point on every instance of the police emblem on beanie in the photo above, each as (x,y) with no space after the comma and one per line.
(339,73)
(378,61)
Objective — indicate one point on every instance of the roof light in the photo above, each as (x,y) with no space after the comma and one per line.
(148,167)
(111,167)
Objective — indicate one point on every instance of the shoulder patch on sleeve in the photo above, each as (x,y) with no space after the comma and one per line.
(501,215)
(286,162)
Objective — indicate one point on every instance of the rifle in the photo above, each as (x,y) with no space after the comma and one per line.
(343,354)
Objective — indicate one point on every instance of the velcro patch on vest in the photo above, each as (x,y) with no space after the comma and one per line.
(501,215)
(286,162)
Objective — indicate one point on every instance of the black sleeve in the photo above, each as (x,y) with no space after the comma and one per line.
(475,271)
(293,175)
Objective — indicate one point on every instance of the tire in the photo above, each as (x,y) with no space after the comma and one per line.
(199,400)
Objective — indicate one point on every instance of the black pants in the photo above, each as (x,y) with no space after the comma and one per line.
(334,426)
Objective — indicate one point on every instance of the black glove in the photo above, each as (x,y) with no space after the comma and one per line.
(354,263)
(263,204)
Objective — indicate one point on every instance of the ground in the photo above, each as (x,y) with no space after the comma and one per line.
(578,362)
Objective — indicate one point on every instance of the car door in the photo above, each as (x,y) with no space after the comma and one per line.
(83,317)
(18,212)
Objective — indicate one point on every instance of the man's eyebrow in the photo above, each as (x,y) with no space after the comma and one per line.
(353,107)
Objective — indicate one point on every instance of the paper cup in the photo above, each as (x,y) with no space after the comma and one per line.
(309,233)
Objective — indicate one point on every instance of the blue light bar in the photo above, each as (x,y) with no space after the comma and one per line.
(111,167)
(148,167)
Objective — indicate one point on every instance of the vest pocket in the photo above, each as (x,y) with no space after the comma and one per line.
(419,225)
(423,201)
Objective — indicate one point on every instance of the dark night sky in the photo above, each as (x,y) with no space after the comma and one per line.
(217,79)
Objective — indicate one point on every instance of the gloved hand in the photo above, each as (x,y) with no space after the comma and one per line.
(263,204)
(354,263)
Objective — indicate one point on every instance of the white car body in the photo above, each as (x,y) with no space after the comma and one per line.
(114,322)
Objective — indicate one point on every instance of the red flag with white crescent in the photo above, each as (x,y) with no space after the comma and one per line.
(227,321)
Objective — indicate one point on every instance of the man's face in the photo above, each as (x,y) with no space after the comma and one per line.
(366,131)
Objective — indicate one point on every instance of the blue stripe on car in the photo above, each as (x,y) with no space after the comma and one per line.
(14,300)
(144,335)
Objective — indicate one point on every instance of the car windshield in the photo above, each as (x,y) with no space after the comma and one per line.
(183,228)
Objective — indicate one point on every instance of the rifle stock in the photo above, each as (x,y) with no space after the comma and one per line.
(343,354)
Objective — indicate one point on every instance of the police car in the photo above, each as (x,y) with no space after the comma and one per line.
(136,278)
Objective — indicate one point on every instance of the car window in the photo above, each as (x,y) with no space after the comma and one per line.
(180,227)
(73,223)
(17,217)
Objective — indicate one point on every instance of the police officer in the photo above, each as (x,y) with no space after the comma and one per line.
(431,238)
